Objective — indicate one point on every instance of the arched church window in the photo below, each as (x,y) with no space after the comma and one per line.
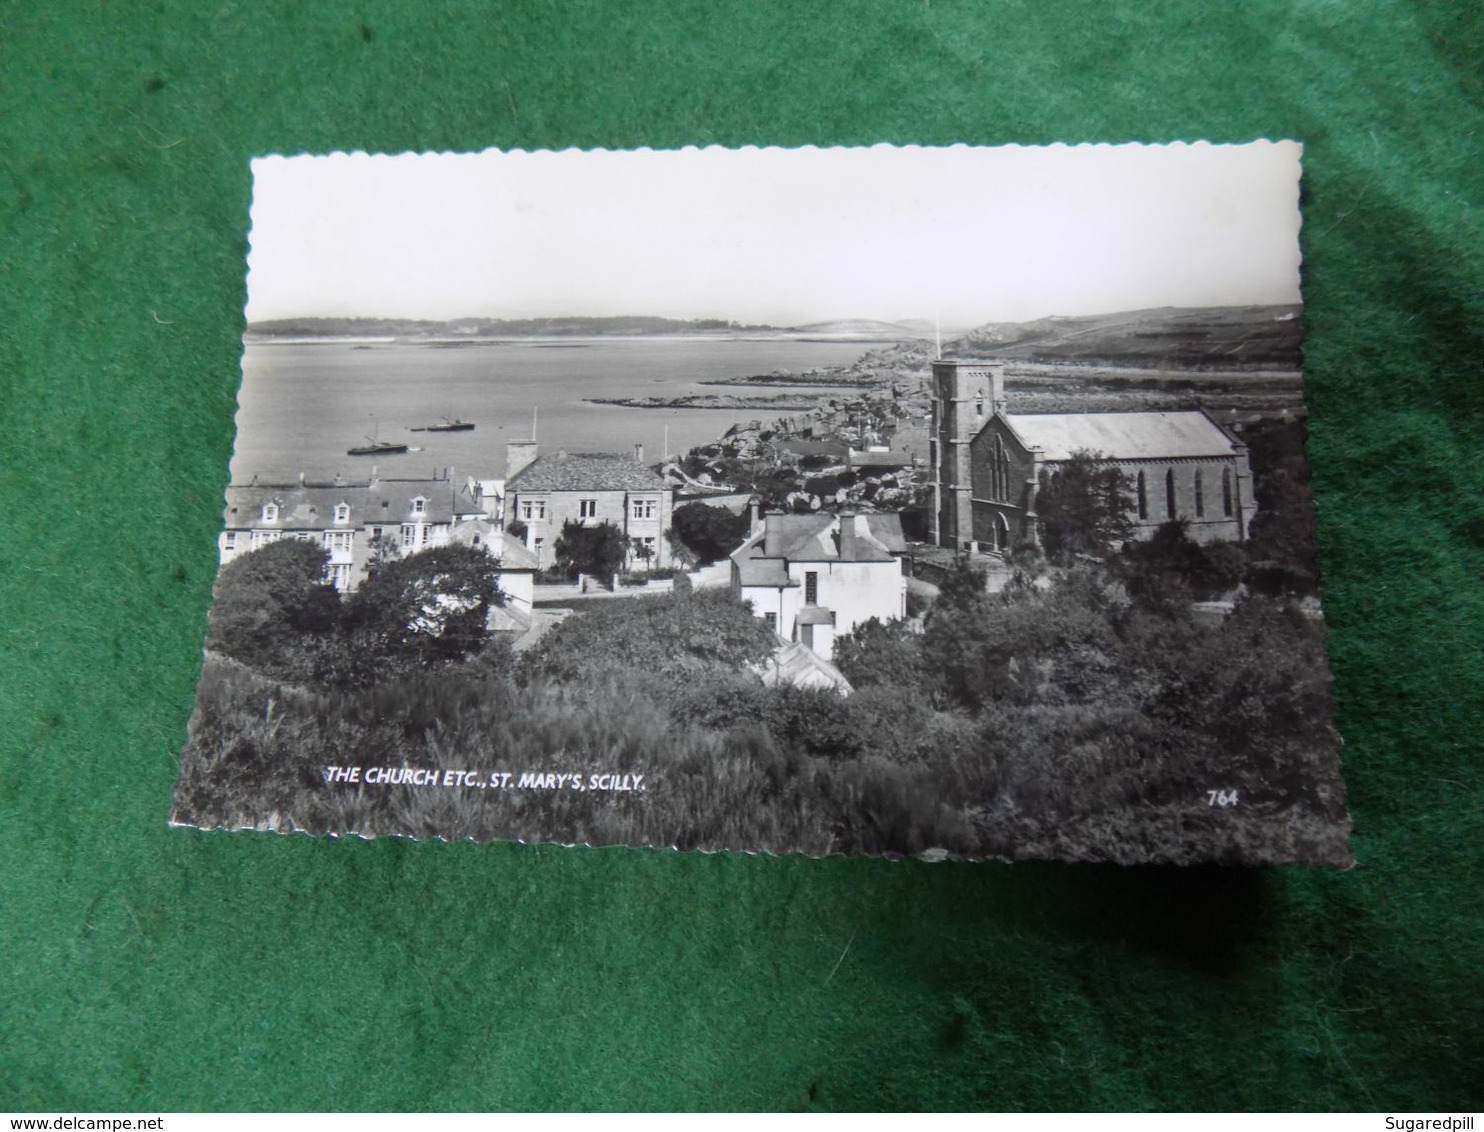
(1143,497)
(1226,491)
(1200,496)
(1169,493)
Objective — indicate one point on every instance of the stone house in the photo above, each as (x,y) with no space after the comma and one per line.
(546,492)
(987,464)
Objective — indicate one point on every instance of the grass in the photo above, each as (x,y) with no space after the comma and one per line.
(257,751)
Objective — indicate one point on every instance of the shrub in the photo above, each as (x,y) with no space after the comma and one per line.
(676,635)
(598,550)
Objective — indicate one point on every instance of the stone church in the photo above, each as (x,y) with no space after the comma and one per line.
(987,464)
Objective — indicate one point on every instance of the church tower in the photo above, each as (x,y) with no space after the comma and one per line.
(965,395)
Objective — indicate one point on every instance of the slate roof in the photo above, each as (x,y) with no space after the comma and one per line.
(311,506)
(814,538)
(757,571)
(1121,436)
(586,471)
(510,552)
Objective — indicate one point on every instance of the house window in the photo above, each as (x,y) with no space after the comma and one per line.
(644,508)
(342,512)
(1226,491)
(340,576)
(1169,493)
(419,505)
(338,541)
(409,535)
(533,510)
(229,541)
(263,538)
(540,542)
(270,512)
(1143,489)
(979,407)
(587,509)
(1200,496)
(811,588)
(375,533)
(771,621)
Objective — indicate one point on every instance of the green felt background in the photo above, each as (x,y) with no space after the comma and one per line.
(149,968)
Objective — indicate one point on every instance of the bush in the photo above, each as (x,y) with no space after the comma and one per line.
(598,550)
(676,635)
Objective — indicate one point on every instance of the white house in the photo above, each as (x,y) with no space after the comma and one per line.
(815,577)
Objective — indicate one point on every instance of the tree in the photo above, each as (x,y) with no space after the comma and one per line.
(1083,507)
(708,532)
(1171,568)
(598,550)
(516,529)
(272,605)
(881,655)
(426,610)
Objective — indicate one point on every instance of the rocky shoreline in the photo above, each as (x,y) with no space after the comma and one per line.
(779,402)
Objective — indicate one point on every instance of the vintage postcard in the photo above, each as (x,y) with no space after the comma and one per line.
(893,501)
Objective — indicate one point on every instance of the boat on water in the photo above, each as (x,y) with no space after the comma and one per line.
(448,425)
(377,448)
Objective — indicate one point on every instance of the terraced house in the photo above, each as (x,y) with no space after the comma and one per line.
(988,464)
(357,522)
(545,492)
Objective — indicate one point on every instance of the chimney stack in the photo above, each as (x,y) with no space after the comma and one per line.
(754,515)
(519,455)
(639,453)
(375,479)
(848,548)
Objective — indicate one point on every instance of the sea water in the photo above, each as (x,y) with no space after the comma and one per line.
(303,404)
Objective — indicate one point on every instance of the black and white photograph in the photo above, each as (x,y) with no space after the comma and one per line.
(893,501)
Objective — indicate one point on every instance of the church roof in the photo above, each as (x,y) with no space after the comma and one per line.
(586,471)
(1121,436)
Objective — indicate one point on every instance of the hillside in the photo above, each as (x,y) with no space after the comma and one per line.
(1266,337)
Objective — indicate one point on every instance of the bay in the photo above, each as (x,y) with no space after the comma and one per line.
(303,404)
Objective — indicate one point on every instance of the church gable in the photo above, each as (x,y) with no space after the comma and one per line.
(1000,464)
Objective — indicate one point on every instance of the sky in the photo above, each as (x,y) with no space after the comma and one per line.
(773,236)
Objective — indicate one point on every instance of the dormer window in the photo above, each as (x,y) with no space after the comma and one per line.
(419,505)
(270,512)
(342,512)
